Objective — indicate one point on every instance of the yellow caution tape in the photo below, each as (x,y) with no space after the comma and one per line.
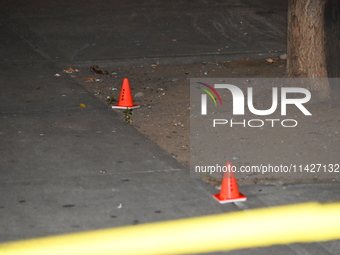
(308,222)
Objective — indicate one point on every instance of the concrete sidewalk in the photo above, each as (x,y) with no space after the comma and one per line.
(142,32)
(67,169)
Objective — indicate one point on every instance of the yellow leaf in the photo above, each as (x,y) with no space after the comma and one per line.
(89,79)
(270,60)
(69,70)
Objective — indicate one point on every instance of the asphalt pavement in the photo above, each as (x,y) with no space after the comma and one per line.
(65,168)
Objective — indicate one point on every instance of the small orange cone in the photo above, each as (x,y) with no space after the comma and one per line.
(229,188)
(125,97)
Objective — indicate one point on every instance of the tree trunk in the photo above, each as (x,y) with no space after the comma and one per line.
(306,48)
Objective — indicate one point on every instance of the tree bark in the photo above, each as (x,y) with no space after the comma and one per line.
(306,48)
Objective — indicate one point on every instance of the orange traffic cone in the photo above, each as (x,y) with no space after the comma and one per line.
(229,188)
(125,97)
